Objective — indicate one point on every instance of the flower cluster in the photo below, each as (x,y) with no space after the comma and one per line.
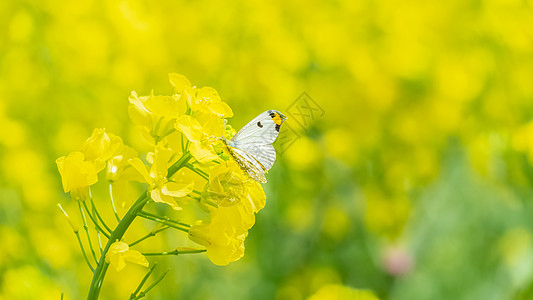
(80,169)
(186,131)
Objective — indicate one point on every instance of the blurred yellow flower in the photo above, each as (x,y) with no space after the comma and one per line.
(339,292)
(119,253)
(160,188)
(76,172)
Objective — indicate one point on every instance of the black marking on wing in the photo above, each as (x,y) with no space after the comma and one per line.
(278,127)
(259,124)
(272,114)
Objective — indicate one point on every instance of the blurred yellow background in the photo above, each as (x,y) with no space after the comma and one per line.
(413,179)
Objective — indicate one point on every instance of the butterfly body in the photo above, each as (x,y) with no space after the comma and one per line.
(252,146)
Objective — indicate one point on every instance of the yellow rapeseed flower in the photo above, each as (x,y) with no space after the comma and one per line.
(155,115)
(119,253)
(101,146)
(76,172)
(202,131)
(160,188)
(228,185)
(223,236)
(204,100)
(238,199)
(118,166)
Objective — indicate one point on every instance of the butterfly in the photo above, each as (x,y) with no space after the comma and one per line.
(252,146)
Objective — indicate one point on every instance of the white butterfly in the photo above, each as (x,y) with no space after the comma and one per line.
(252,146)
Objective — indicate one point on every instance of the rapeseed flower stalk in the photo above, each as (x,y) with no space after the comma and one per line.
(186,130)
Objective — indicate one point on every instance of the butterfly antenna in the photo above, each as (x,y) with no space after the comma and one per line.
(224,120)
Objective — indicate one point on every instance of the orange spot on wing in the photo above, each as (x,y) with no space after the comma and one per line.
(277,119)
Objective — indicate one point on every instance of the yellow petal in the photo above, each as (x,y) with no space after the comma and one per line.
(221,109)
(190,127)
(177,189)
(224,236)
(138,113)
(114,255)
(135,257)
(179,82)
(118,166)
(207,95)
(117,262)
(212,125)
(202,154)
(141,168)
(257,195)
(76,172)
(118,247)
(158,196)
(162,156)
(165,106)
(101,145)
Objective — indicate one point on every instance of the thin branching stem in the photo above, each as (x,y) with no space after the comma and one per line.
(150,234)
(83,251)
(98,235)
(86,228)
(94,220)
(77,233)
(97,214)
(165,222)
(143,293)
(113,201)
(175,252)
(165,218)
(201,173)
(143,281)
(120,230)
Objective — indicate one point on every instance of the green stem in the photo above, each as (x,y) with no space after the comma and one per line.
(176,252)
(179,164)
(117,234)
(201,173)
(165,222)
(143,293)
(86,228)
(94,220)
(83,250)
(143,281)
(120,230)
(98,235)
(97,214)
(165,218)
(113,201)
(152,233)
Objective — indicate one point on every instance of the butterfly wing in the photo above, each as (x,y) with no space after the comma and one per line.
(264,129)
(249,164)
(252,145)
(265,154)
